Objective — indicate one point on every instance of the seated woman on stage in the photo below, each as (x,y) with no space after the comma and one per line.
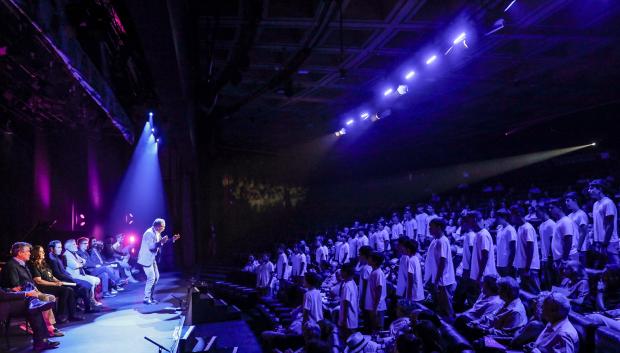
(47,283)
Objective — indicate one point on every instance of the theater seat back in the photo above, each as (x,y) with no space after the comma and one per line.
(606,340)
(586,329)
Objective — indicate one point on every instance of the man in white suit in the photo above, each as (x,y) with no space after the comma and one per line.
(152,241)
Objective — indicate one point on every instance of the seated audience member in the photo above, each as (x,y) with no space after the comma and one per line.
(47,283)
(376,292)
(528,333)
(505,321)
(83,289)
(312,303)
(114,252)
(574,283)
(608,298)
(559,336)
(349,303)
(358,343)
(21,303)
(75,264)
(407,343)
(488,302)
(95,266)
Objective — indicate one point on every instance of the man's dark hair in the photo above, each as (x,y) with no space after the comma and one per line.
(572,195)
(52,244)
(82,239)
(19,246)
(377,258)
(412,246)
(348,270)
(518,210)
(508,285)
(408,343)
(438,222)
(402,240)
(365,251)
(314,279)
(491,282)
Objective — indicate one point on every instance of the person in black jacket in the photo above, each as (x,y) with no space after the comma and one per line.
(83,288)
(17,303)
(15,275)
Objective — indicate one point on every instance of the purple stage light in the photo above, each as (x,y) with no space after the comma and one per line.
(150,114)
(431,59)
(343,131)
(364,115)
(409,75)
(402,89)
(510,5)
(157,141)
(350,122)
(460,38)
(388,92)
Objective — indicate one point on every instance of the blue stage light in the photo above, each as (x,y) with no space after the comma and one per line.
(402,89)
(431,59)
(409,75)
(510,5)
(388,92)
(364,115)
(350,122)
(460,38)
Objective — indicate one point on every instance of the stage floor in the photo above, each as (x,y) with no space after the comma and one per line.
(122,325)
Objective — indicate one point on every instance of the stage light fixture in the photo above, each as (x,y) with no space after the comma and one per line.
(593,144)
(510,5)
(431,59)
(157,141)
(150,114)
(388,92)
(460,38)
(364,115)
(402,89)
(350,122)
(409,75)
(343,131)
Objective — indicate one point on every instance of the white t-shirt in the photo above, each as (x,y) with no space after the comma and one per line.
(364,276)
(581,218)
(397,231)
(361,241)
(337,247)
(320,254)
(468,243)
(281,266)
(437,249)
(298,261)
(417,290)
(263,274)
(343,253)
(401,283)
(546,233)
(482,242)
(422,221)
(564,226)
(313,303)
(352,248)
(410,228)
(376,279)
(504,236)
(525,234)
(386,237)
(601,209)
(348,293)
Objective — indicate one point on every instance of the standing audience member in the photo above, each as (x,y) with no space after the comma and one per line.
(349,302)
(581,220)
(376,292)
(264,275)
(415,280)
(527,261)
(439,270)
(604,223)
(506,244)
(312,304)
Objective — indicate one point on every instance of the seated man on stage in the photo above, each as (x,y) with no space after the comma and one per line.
(83,289)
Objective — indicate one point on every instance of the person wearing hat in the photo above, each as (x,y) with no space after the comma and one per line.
(604,222)
(358,343)
(506,244)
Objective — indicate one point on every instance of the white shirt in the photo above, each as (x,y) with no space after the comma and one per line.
(352,247)
(601,209)
(313,303)
(281,266)
(482,242)
(546,233)
(504,236)
(485,305)
(560,337)
(263,274)
(410,228)
(348,293)
(386,237)
(417,290)
(439,248)
(343,253)
(320,255)
(422,221)
(376,279)
(361,241)
(397,231)
(468,243)
(298,263)
(526,234)
(564,226)
(364,276)
(401,283)
(337,247)
(581,218)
